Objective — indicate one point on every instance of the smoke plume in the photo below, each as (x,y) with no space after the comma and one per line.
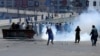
(85,21)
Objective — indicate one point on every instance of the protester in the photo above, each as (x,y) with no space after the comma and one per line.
(22,26)
(77,36)
(94,35)
(18,25)
(50,35)
(13,26)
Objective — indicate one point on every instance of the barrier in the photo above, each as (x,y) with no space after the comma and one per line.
(18,34)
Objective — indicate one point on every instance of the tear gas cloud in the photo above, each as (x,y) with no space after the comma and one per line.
(85,21)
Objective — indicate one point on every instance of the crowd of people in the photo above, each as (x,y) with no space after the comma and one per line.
(60,27)
(93,33)
(19,25)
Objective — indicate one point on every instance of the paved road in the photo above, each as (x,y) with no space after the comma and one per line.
(39,48)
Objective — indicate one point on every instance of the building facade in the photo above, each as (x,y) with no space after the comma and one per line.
(61,6)
(81,5)
(23,4)
(95,4)
(55,6)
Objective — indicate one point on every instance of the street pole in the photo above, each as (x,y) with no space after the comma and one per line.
(25,15)
(19,15)
(48,12)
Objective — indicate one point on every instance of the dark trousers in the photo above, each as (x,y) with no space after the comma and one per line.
(77,38)
(49,41)
(94,41)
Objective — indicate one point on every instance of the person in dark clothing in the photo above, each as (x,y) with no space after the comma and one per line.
(17,25)
(77,36)
(94,35)
(57,27)
(50,35)
(13,26)
(26,21)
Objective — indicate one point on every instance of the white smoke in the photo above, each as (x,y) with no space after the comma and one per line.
(85,21)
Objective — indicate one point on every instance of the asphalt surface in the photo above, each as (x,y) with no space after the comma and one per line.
(39,48)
